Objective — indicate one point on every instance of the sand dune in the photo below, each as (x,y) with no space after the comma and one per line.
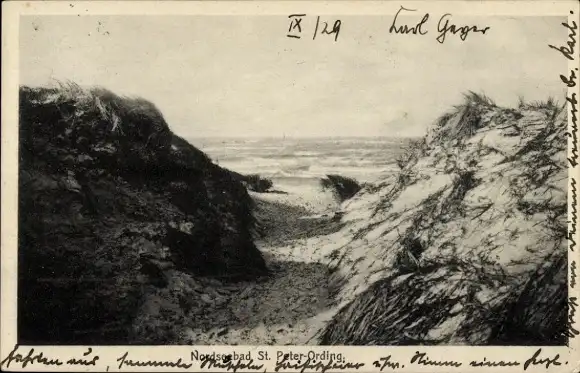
(456,248)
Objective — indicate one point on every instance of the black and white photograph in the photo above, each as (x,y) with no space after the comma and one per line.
(295,179)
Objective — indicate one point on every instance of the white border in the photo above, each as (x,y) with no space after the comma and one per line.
(109,354)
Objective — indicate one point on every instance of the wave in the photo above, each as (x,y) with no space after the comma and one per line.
(364,159)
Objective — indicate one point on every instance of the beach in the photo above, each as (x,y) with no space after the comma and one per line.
(294,302)
(356,241)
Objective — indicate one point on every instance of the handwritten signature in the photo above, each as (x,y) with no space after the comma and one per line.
(444,27)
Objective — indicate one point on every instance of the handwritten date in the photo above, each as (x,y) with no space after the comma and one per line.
(321,28)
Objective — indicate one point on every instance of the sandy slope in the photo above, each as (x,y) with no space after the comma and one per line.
(464,246)
(292,304)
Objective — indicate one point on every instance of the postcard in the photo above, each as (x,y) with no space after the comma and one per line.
(290,186)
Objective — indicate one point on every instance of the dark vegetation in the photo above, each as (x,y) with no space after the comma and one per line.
(344,187)
(533,313)
(254,182)
(109,198)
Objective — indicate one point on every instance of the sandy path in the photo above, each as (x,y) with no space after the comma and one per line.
(292,304)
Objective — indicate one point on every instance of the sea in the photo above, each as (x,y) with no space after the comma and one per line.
(297,160)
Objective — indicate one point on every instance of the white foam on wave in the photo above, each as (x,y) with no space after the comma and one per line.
(364,159)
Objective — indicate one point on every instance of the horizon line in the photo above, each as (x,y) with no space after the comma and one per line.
(297,137)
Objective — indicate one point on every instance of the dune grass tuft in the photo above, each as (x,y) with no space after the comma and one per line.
(345,187)
(257,183)
(253,182)
(472,97)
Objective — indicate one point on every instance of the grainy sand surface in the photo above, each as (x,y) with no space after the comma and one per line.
(292,304)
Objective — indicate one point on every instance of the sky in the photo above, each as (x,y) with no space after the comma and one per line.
(240,76)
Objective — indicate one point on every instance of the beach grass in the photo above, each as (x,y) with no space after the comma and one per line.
(345,187)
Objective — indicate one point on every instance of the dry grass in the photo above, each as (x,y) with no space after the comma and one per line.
(414,149)
(468,113)
(403,308)
(123,116)
(551,107)
(550,103)
(443,119)
(478,99)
